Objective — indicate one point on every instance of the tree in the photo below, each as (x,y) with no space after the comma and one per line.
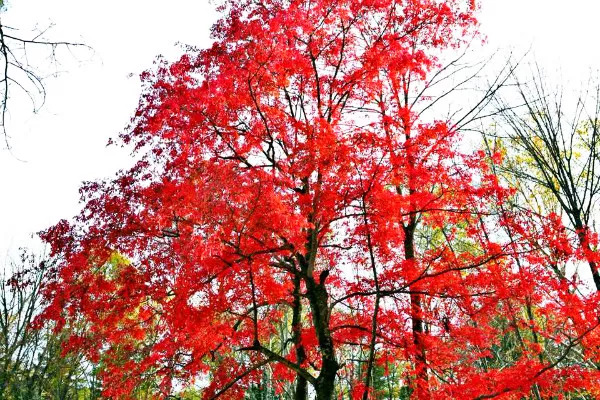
(32,364)
(17,71)
(293,215)
(558,146)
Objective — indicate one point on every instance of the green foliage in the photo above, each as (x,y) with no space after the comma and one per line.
(32,363)
(264,391)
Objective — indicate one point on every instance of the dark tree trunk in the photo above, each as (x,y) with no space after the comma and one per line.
(582,231)
(319,304)
(318,298)
(418,326)
(301,391)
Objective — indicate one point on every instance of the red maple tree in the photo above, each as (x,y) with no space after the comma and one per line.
(291,207)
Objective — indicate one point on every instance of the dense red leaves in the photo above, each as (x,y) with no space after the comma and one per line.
(285,172)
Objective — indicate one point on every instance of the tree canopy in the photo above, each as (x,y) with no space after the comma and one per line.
(294,216)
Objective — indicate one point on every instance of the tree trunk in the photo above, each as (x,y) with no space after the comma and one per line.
(583,241)
(320,311)
(416,311)
(301,391)
(326,380)
(319,305)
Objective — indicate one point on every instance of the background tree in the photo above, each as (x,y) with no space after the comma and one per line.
(32,363)
(21,56)
(555,150)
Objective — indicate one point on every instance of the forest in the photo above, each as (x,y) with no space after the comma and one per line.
(333,201)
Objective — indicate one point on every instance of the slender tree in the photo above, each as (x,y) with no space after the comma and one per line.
(20,68)
(32,363)
(558,153)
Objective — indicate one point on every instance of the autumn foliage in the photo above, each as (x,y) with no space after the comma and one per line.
(293,211)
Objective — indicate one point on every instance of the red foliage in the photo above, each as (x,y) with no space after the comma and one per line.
(285,171)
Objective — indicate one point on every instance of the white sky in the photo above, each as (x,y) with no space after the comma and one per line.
(94,98)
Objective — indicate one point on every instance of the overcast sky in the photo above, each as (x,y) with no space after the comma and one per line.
(94,96)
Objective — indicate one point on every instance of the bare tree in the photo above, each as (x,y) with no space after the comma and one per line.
(561,140)
(20,69)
